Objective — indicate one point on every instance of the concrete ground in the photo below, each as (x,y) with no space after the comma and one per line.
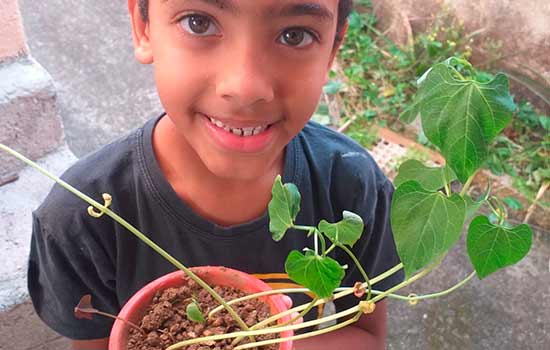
(103,92)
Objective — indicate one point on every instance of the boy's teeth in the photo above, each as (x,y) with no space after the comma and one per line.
(250,131)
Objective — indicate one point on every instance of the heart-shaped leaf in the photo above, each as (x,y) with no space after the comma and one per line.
(194,313)
(283,208)
(410,113)
(347,231)
(321,275)
(492,247)
(430,178)
(425,224)
(463,116)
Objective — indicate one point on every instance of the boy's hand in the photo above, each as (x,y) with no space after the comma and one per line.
(288,302)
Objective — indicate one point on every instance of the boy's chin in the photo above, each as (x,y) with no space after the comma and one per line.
(239,170)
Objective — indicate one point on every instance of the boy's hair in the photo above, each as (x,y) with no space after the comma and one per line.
(344,9)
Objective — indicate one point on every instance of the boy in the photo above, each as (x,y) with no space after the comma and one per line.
(239,80)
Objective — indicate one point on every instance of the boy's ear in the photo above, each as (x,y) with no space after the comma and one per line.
(140,34)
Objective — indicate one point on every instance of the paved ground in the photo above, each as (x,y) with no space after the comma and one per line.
(102,92)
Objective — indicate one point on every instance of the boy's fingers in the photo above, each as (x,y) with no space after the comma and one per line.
(287,301)
(299,320)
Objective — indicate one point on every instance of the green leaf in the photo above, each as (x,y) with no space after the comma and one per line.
(283,208)
(545,121)
(321,275)
(194,313)
(462,116)
(410,113)
(472,206)
(513,203)
(492,247)
(347,231)
(332,87)
(428,177)
(425,224)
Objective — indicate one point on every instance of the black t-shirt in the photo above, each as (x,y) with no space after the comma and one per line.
(73,254)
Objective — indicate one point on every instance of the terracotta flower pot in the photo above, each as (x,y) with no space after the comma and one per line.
(214,275)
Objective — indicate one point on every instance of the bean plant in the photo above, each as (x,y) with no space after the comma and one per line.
(461,116)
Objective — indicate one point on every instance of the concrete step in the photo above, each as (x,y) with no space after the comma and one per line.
(17,201)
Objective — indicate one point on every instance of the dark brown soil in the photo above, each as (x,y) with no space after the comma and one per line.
(165,322)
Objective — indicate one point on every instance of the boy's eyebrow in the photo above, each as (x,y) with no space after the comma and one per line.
(290,10)
(222,4)
(306,9)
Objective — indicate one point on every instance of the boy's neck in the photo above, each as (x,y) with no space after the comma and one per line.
(225,202)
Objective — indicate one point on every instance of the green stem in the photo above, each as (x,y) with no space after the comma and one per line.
(406,282)
(302,336)
(302,227)
(323,243)
(133,325)
(310,306)
(330,249)
(307,324)
(360,267)
(130,228)
(446,182)
(445,292)
(467,185)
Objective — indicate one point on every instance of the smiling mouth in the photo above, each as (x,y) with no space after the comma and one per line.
(243,132)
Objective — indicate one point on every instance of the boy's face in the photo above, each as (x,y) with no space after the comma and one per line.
(238,78)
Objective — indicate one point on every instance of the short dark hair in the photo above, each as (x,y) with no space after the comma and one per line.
(344,9)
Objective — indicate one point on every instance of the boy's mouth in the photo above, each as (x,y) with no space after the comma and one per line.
(240,135)
(242,131)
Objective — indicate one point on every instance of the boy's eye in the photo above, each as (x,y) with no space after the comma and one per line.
(297,37)
(199,25)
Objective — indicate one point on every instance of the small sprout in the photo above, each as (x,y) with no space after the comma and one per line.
(357,290)
(194,312)
(367,307)
(413,299)
(97,214)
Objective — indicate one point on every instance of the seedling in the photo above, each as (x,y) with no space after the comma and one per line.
(461,116)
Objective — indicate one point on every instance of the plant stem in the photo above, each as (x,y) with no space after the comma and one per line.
(445,292)
(302,227)
(323,243)
(307,324)
(316,242)
(360,267)
(405,283)
(121,319)
(302,336)
(310,306)
(467,185)
(330,249)
(130,228)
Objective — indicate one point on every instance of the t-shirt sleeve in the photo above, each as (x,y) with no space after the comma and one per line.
(376,249)
(67,262)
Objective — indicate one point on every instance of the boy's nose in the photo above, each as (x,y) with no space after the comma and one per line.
(244,79)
